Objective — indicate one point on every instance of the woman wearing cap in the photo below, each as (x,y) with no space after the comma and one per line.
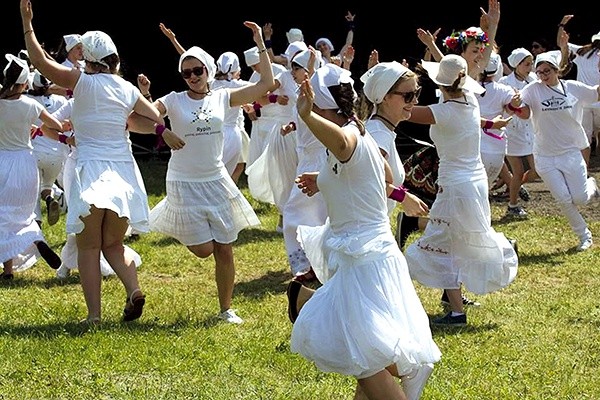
(204,209)
(587,59)
(555,107)
(108,194)
(19,192)
(70,52)
(345,56)
(519,132)
(365,276)
(459,246)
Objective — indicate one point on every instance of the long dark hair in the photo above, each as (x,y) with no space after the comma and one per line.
(9,84)
(345,98)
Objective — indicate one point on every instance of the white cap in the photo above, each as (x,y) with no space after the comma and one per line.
(596,37)
(493,65)
(379,79)
(24,75)
(294,48)
(324,77)
(251,56)
(294,35)
(96,46)
(447,70)
(39,80)
(303,57)
(202,56)
(326,41)
(71,41)
(549,57)
(517,56)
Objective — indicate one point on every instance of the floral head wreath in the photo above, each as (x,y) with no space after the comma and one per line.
(459,40)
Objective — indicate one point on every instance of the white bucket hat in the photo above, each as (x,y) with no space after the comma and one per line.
(71,41)
(447,70)
(517,56)
(96,46)
(24,75)
(380,78)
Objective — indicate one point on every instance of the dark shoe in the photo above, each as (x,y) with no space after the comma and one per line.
(524,194)
(292,292)
(449,320)
(53,210)
(134,305)
(6,277)
(465,300)
(516,211)
(48,255)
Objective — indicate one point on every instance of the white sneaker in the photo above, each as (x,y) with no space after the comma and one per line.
(585,244)
(414,383)
(596,196)
(63,272)
(231,317)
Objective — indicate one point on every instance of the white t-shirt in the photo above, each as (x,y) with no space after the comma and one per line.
(16,118)
(556,113)
(43,144)
(102,105)
(491,104)
(200,124)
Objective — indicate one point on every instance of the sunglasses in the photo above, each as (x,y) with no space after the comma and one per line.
(535,46)
(544,72)
(409,96)
(187,73)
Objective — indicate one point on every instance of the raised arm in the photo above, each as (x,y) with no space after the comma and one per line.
(428,39)
(337,141)
(57,73)
(171,36)
(489,23)
(249,93)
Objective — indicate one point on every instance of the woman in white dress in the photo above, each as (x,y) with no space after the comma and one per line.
(108,193)
(355,254)
(459,246)
(203,208)
(19,232)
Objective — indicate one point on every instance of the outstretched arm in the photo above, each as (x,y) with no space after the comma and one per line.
(171,35)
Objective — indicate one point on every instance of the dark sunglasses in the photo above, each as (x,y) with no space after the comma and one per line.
(409,96)
(187,73)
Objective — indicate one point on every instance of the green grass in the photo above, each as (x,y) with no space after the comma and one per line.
(536,339)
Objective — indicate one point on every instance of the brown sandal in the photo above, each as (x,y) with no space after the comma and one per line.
(134,305)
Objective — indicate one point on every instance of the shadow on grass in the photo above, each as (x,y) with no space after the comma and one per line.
(268,283)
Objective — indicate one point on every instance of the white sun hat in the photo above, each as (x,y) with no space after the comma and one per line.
(446,72)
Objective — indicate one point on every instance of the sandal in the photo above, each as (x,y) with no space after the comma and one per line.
(134,306)
(90,321)
(292,292)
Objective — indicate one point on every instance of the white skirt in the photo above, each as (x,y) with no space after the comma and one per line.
(19,186)
(459,245)
(199,212)
(113,185)
(367,315)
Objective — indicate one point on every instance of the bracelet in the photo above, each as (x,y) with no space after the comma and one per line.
(561,25)
(516,110)
(273,98)
(147,96)
(159,129)
(351,25)
(69,93)
(398,194)
(28,31)
(262,51)
(268,43)
(62,138)
(488,124)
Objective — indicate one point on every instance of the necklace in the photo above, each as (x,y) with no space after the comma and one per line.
(564,91)
(381,117)
(192,90)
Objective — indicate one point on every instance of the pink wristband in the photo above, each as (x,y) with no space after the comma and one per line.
(273,98)
(398,194)
(256,105)
(69,93)
(159,129)
(62,138)
(488,124)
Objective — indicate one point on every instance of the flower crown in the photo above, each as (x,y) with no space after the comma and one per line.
(461,39)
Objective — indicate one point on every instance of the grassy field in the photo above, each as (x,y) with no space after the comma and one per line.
(536,339)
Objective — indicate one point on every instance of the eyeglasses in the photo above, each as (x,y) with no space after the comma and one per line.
(187,73)
(409,96)
(544,72)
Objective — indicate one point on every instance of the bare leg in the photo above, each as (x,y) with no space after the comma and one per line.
(8,267)
(113,232)
(516,165)
(455,300)
(586,155)
(89,242)
(381,386)
(237,172)
(224,274)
